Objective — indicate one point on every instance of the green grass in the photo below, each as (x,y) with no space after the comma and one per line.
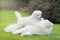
(7,17)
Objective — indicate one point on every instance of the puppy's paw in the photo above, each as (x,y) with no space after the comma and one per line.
(7,30)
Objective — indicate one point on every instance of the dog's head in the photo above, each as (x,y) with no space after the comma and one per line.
(37,14)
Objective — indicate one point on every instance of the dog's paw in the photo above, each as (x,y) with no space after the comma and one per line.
(15,32)
(22,35)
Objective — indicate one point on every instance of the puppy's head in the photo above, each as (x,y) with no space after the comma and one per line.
(37,14)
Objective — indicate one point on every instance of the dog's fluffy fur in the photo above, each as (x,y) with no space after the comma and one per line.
(35,17)
(43,27)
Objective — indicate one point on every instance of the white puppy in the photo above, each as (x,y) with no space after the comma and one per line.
(43,27)
(35,17)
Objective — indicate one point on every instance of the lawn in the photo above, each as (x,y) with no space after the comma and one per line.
(7,17)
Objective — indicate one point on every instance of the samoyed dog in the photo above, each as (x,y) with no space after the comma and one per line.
(43,27)
(21,22)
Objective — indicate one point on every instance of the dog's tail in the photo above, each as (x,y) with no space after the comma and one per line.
(18,15)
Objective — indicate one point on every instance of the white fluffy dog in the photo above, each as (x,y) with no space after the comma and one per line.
(43,27)
(35,17)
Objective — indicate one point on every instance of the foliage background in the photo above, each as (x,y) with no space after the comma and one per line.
(50,8)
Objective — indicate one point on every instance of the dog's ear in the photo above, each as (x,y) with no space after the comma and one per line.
(48,24)
(52,24)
